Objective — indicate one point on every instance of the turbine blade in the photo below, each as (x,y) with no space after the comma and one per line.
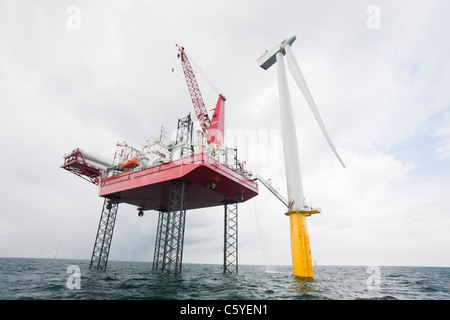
(296,73)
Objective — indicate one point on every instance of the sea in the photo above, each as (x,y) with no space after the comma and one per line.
(66,279)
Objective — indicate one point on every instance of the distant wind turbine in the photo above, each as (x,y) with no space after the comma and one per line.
(57,248)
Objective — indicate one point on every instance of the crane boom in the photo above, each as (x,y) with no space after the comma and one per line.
(194,91)
(214,130)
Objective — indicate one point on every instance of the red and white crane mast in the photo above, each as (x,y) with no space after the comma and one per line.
(213,129)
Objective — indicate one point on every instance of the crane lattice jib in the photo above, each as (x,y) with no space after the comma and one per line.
(194,90)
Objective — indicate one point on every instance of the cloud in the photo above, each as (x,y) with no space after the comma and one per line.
(442,134)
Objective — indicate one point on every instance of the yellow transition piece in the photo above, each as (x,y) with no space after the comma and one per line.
(300,246)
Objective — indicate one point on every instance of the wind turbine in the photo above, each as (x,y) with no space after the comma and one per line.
(301,252)
(57,249)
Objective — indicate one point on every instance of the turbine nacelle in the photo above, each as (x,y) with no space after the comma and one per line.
(270,57)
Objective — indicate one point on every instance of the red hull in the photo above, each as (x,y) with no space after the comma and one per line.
(149,188)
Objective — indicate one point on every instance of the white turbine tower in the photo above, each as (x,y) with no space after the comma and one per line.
(301,253)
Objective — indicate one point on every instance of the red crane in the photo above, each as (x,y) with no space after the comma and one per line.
(213,128)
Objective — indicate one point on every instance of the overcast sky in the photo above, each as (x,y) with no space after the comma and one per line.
(88,74)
